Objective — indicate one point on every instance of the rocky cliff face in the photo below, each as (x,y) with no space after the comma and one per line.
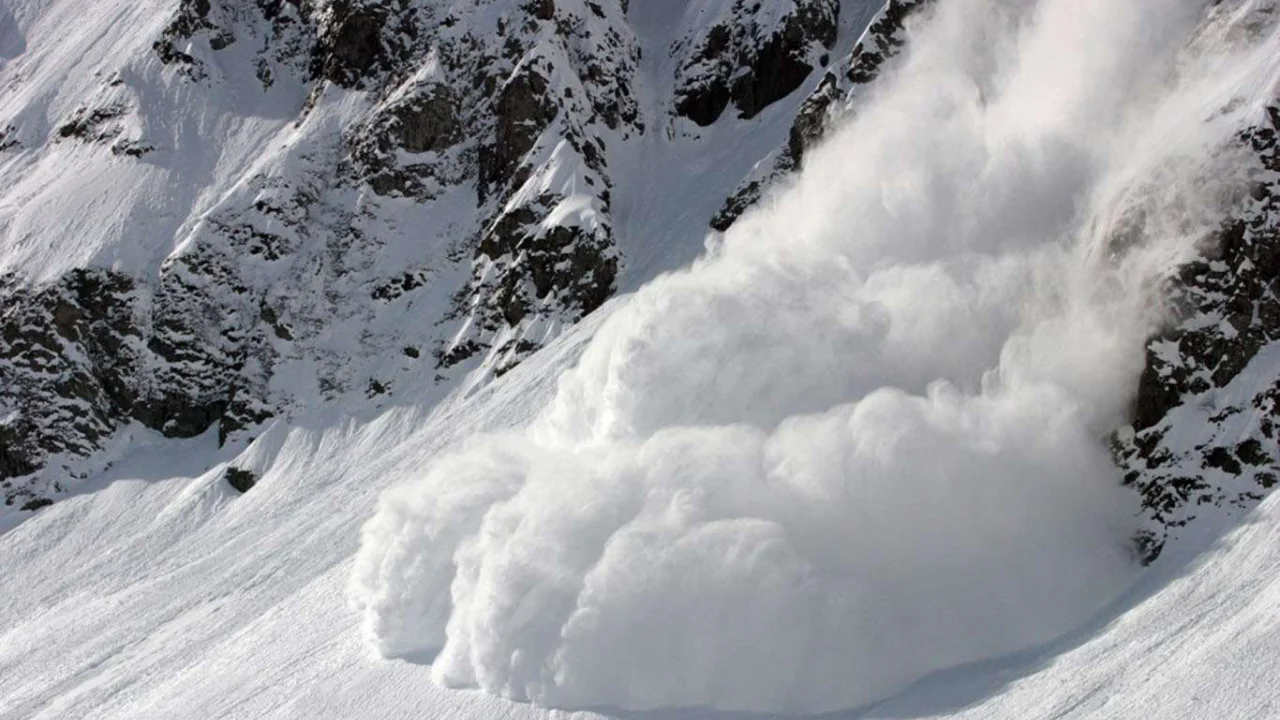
(432,201)
(755,55)
(1205,433)
(843,86)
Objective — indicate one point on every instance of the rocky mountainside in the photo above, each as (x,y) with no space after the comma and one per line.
(241,208)
(1205,432)
(890,358)
(425,192)
(844,84)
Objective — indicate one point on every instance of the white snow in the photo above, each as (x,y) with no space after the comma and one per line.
(66,207)
(861,441)
(853,454)
(163,595)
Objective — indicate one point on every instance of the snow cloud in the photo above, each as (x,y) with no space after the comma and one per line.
(864,438)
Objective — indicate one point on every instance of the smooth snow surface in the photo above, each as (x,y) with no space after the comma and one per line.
(863,440)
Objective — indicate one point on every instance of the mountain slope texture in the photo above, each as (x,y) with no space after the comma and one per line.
(684,358)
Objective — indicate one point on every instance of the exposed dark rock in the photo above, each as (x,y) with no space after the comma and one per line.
(171,55)
(1251,452)
(242,480)
(812,120)
(557,258)
(736,204)
(398,286)
(349,42)
(833,98)
(781,64)
(753,65)
(17,456)
(542,9)
(429,123)
(92,125)
(1157,395)
(454,353)
(93,350)
(287,34)
(193,17)
(131,148)
(1222,459)
(8,138)
(493,126)
(1229,311)
(421,120)
(278,326)
(525,268)
(245,409)
(887,37)
(68,353)
(704,101)
(523,112)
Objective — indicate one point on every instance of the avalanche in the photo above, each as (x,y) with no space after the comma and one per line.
(864,438)
(852,458)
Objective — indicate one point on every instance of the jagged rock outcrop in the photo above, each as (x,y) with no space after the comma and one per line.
(1206,429)
(755,55)
(836,95)
(359,38)
(541,100)
(299,285)
(68,355)
(81,357)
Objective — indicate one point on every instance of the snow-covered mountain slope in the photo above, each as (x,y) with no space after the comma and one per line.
(862,439)
(216,213)
(166,594)
(308,333)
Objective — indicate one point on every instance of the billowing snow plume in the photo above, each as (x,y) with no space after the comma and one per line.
(865,437)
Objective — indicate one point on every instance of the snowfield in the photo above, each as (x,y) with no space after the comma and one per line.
(851,460)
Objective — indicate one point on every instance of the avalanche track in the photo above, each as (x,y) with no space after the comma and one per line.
(163,595)
(852,460)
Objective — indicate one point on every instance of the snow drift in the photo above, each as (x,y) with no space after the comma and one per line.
(863,438)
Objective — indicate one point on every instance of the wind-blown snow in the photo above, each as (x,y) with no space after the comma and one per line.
(864,438)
